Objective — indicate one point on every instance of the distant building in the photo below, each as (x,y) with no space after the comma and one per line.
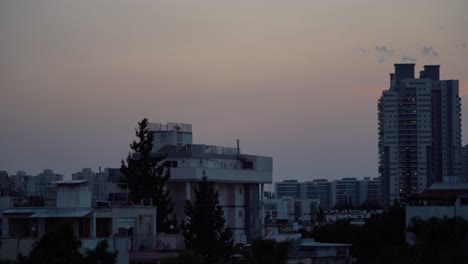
(371,190)
(238,177)
(4,184)
(100,183)
(288,188)
(319,189)
(43,181)
(419,132)
(113,191)
(17,182)
(293,210)
(343,192)
(464,164)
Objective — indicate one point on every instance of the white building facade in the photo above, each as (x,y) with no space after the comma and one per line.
(239,178)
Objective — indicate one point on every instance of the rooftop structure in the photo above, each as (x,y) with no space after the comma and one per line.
(177,134)
(239,178)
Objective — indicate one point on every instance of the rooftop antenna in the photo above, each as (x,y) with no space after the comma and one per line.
(238,148)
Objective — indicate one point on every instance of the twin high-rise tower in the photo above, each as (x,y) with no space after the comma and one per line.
(419,132)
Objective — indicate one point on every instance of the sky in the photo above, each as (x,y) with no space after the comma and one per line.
(295,80)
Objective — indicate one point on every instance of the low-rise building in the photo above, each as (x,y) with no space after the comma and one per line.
(312,252)
(130,229)
(439,200)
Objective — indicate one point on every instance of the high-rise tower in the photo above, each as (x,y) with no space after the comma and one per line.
(419,132)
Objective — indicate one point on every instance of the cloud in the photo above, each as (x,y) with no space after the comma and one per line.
(384,50)
(405,58)
(360,51)
(429,51)
(462,45)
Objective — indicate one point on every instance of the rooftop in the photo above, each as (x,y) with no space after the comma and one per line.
(180,127)
(69,182)
(199,148)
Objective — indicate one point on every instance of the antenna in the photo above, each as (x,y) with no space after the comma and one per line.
(238,147)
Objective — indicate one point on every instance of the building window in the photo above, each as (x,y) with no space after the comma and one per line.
(170,164)
(247,164)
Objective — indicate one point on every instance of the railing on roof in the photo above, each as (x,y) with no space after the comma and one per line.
(170,127)
(200,148)
(220,150)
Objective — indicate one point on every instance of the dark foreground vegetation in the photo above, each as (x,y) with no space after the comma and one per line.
(62,247)
(383,239)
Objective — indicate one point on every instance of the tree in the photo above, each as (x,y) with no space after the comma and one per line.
(204,231)
(145,176)
(380,240)
(100,255)
(63,247)
(440,240)
(185,257)
(270,251)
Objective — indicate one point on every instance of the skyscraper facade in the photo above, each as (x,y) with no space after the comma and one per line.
(419,132)
(464,164)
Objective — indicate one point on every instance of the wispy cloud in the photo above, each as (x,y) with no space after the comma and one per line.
(384,50)
(360,51)
(405,58)
(429,51)
(462,45)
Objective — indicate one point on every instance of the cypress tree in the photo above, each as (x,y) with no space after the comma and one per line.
(204,232)
(146,177)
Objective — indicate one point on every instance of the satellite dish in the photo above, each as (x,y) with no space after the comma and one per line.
(177,128)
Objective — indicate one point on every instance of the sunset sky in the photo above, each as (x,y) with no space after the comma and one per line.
(295,80)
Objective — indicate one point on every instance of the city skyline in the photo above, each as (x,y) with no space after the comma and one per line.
(296,81)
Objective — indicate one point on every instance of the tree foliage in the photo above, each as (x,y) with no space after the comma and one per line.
(266,251)
(100,255)
(440,240)
(376,241)
(146,177)
(63,247)
(185,257)
(204,231)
